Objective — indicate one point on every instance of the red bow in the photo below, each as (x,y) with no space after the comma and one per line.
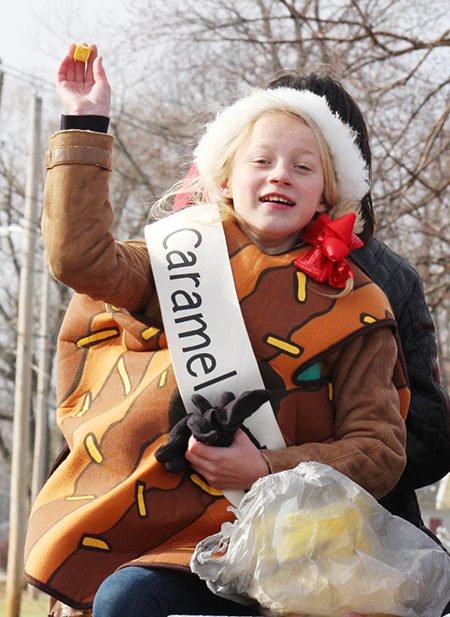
(332,242)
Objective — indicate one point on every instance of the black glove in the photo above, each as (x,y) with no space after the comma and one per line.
(214,426)
(217,426)
(171,454)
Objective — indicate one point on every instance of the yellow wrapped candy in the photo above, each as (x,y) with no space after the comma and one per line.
(309,541)
(82,53)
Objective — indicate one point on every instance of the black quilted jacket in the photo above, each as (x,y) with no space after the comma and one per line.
(428,420)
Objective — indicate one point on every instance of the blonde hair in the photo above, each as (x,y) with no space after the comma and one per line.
(206,187)
(345,172)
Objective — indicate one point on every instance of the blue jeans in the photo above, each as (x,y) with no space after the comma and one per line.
(142,592)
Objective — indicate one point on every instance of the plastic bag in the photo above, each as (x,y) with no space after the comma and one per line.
(310,541)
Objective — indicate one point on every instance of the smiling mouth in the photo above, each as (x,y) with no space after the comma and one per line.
(277,200)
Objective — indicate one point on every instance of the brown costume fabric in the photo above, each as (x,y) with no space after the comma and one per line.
(337,387)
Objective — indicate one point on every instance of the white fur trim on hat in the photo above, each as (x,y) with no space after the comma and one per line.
(351,171)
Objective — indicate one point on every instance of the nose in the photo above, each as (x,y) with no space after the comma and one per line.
(280,174)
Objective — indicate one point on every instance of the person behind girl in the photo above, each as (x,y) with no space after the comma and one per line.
(428,420)
(112,527)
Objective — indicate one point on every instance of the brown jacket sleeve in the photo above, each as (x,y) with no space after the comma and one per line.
(81,249)
(370,433)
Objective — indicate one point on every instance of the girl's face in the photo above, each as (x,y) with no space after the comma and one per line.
(276,182)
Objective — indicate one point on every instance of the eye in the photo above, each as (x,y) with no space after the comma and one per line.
(260,160)
(303,167)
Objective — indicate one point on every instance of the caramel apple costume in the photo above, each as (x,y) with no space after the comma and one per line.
(331,364)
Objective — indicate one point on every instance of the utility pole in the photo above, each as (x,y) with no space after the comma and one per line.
(20,446)
(40,455)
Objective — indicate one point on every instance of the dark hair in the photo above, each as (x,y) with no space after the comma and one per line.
(341,103)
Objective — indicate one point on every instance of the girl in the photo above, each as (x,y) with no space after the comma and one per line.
(288,179)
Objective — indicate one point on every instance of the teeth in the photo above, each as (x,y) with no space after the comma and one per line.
(280,200)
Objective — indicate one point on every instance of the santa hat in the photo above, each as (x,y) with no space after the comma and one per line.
(351,171)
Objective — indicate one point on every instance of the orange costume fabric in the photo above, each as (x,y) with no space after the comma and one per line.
(110,503)
(332,367)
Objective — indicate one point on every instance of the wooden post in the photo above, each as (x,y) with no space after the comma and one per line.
(19,507)
(41,437)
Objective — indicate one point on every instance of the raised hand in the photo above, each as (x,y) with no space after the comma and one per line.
(83,87)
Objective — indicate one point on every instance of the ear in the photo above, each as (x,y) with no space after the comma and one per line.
(226,190)
(322,207)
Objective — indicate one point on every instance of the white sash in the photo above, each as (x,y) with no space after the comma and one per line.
(208,341)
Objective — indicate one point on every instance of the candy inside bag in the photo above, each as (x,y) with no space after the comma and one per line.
(311,542)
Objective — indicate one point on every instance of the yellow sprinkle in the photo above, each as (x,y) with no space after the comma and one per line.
(202,484)
(330,391)
(80,497)
(95,543)
(162,380)
(301,286)
(142,507)
(293,350)
(82,53)
(98,337)
(149,333)
(124,375)
(369,319)
(92,449)
(86,405)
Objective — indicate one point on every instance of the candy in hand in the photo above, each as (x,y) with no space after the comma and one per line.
(82,53)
